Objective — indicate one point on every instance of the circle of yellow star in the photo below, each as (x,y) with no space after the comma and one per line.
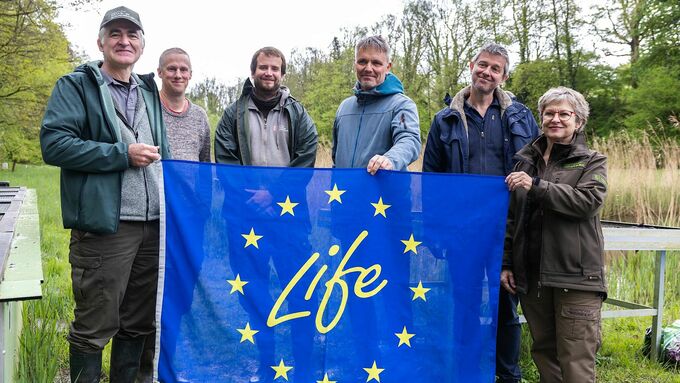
(325,379)
(247,333)
(281,370)
(419,292)
(237,284)
(251,238)
(334,195)
(287,206)
(410,244)
(404,337)
(373,372)
(380,208)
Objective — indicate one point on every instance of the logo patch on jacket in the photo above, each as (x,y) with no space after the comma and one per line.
(574,165)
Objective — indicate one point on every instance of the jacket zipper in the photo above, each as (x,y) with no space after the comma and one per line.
(356,139)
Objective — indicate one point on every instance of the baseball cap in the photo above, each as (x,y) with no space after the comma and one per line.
(121,13)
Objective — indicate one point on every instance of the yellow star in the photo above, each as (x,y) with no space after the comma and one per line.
(247,333)
(410,244)
(380,208)
(419,292)
(281,370)
(373,372)
(325,379)
(237,284)
(287,206)
(334,195)
(251,238)
(404,337)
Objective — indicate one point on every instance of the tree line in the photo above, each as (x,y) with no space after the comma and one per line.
(558,42)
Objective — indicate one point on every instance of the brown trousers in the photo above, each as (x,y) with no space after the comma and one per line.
(565,328)
(114,279)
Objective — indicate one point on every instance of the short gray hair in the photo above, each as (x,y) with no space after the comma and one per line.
(376,42)
(102,34)
(498,50)
(172,51)
(574,98)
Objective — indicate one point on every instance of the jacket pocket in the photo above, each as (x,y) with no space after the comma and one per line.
(561,252)
(453,149)
(86,274)
(99,205)
(519,129)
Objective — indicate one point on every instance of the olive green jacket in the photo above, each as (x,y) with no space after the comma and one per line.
(80,134)
(569,197)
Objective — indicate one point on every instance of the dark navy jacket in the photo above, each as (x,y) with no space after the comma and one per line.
(447,148)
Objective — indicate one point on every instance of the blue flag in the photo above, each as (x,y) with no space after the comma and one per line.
(328,275)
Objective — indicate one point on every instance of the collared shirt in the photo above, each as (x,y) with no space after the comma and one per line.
(124,97)
(485,135)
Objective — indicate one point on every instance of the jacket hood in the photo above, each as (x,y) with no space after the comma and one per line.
(504,99)
(391,85)
(457,104)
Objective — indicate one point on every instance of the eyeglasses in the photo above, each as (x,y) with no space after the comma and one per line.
(563,115)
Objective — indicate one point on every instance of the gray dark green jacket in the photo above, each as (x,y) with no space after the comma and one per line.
(80,134)
(569,197)
(231,136)
(381,121)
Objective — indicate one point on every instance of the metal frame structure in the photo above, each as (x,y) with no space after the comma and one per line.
(630,236)
(20,266)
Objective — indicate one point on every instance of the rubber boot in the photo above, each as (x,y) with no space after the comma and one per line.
(85,367)
(145,373)
(125,356)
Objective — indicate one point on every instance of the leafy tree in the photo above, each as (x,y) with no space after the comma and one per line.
(33,53)
(654,101)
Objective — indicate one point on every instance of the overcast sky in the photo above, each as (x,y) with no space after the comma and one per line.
(221,36)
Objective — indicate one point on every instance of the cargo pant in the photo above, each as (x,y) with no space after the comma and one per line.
(114,279)
(565,328)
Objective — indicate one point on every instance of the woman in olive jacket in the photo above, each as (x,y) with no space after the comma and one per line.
(554,250)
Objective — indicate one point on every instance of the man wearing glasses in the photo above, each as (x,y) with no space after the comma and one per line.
(479,133)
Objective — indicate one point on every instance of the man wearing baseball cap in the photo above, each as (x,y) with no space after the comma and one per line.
(104,128)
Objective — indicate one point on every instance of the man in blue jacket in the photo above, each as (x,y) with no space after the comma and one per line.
(479,133)
(378,127)
(103,127)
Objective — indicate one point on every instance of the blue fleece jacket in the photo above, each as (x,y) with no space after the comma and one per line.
(382,121)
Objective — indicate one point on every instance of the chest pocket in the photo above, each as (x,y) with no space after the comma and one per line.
(454,148)
(569,172)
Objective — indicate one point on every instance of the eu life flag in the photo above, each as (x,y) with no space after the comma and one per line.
(328,275)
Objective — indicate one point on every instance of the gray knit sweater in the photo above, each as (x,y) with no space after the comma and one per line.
(188,134)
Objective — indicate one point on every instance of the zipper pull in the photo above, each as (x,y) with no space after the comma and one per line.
(539,290)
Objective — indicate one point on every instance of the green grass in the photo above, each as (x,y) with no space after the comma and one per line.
(630,277)
(44,350)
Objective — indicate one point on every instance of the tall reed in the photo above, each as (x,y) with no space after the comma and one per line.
(644,179)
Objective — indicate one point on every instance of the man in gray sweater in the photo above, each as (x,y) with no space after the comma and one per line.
(188,134)
(186,123)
